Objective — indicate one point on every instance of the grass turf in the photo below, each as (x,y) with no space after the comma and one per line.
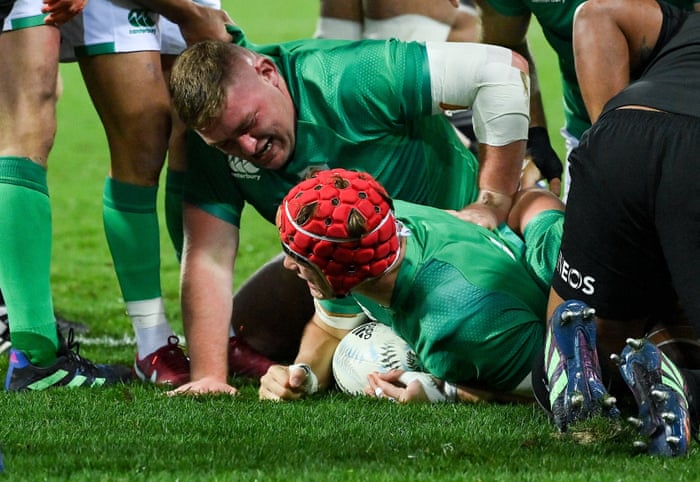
(134,432)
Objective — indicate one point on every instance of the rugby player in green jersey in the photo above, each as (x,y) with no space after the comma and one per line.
(470,301)
(267,115)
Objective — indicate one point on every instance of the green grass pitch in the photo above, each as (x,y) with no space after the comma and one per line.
(137,433)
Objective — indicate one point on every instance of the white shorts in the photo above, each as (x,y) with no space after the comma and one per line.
(105,27)
(406,27)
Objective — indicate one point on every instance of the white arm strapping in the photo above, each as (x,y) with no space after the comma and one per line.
(311,380)
(482,77)
(448,393)
(342,322)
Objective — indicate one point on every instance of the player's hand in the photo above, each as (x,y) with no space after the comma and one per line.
(60,11)
(477,213)
(539,149)
(282,383)
(489,210)
(202,387)
(388,385)
(207,24)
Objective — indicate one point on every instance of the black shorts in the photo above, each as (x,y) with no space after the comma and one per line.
(631,242)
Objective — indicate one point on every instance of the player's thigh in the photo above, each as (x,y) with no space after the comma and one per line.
(117,44)
(130,96)
(172,44)
(466,26)
(342,9)
(678,211)
(28,84)
(129,91)
(441,10)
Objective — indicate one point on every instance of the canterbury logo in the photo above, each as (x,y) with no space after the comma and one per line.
(141,18)
(243,169)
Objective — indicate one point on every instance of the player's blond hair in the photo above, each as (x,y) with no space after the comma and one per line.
(199,79)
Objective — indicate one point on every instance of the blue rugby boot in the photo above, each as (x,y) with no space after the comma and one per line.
(576,391)
(660,392)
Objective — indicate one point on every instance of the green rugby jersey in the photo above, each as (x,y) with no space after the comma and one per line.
(360,105)
(556,17)
(471,302)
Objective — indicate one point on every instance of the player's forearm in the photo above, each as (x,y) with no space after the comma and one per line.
(207,341)
(208,356)
(206,308)
(316,350)
(499,175)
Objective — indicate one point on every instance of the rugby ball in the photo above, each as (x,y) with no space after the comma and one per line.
(371,347)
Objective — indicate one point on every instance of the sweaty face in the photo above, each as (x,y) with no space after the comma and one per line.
(257,122)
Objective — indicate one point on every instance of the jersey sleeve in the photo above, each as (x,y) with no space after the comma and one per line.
(542,241)
(382,83)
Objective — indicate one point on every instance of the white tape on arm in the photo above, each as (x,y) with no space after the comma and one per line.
(482,77)
(448,392)
(341,322)
(311,381)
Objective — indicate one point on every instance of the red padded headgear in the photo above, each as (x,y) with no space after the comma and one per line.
(343,223)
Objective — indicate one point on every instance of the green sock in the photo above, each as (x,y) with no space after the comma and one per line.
(131,226)
(25,261)
(174,184)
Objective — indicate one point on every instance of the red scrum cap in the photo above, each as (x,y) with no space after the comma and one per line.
(343,223)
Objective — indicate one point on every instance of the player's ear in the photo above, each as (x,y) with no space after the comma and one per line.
(267,69)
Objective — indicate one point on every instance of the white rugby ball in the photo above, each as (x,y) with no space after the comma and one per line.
(371,347)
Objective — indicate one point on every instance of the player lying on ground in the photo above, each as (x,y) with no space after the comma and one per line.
(470,301)
(269,115)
